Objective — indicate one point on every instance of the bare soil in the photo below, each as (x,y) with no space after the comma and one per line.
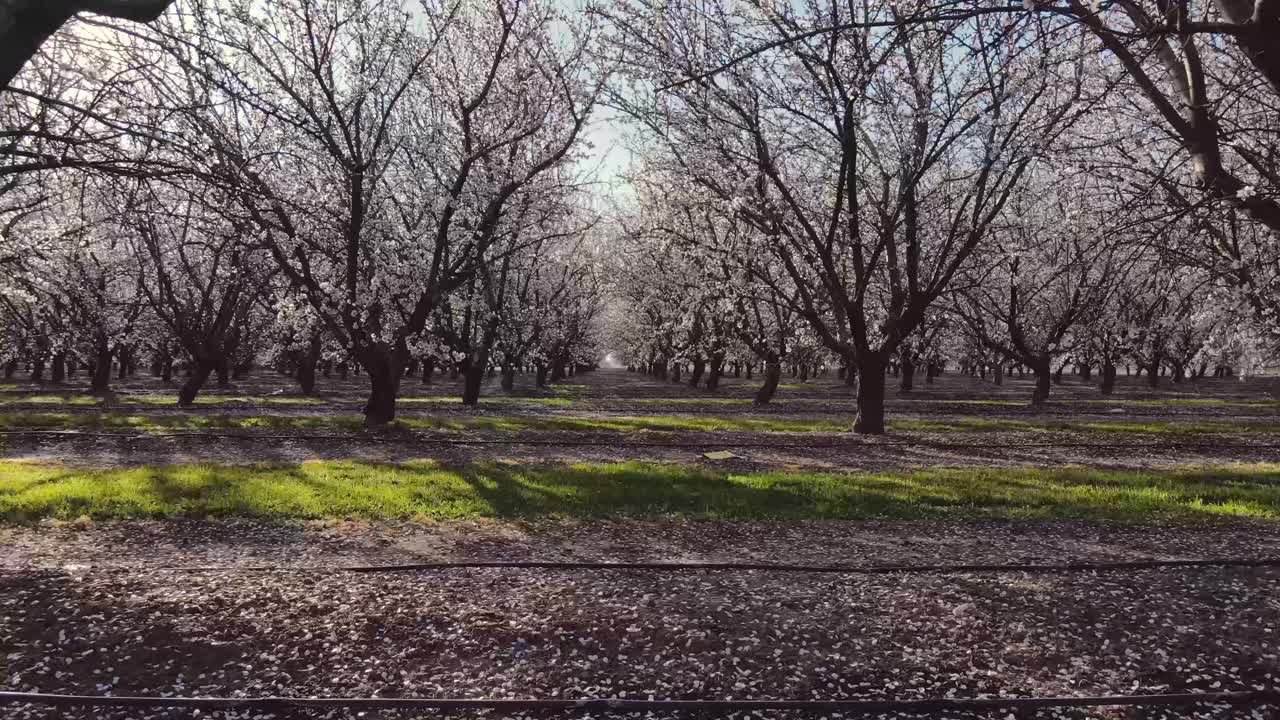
(107,608)
(102,610)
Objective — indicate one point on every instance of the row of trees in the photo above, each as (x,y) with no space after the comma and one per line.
(893,181)
(357,181)
(880,184)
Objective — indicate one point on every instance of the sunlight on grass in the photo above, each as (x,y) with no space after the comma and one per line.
(222,400)
(425,489)
(49,400)
(499,400)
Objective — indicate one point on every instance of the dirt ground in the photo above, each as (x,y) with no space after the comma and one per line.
(104,609)
(108,608)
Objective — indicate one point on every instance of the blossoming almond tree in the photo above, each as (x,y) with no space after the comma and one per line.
(377,152)
(873,158)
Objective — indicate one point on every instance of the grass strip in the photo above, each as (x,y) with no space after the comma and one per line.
(427,490)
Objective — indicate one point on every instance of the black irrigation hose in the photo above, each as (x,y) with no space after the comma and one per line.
(862,707)
(1031,568)
(728,442)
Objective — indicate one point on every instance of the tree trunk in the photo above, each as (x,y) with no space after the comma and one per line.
(385,368)
(1086,371)
(10,368)
(699,366)
(717,370)
(772,374)
(870,420)
(222,370)
(199,374)
(675,372)
(508,377)
(428,370)
(930,372)
(997,373)
(1108,377)
(908,373)
(58,373)
(380,408)
(472,379)
(166,369)
(37,369)
(100,382)
(540,374)
(1044,379)
(1153,372)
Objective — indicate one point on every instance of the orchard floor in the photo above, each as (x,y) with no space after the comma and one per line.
(94,600)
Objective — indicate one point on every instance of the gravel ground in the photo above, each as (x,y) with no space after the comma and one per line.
(756,451)
(89,611)
(138,543)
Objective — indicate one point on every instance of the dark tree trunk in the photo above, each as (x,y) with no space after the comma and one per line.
(997,373)
(307,376)
(166,369)
(1153,372)
(58,371)
(699,367)
(1044,378)
(870,419)
(100,381)
(772,375)
(10,368)
(930,372)
(508,378)
(540,374)
(37,369)
(428,370)
(1086,371)
(201,369)
(223,372)
(750,368)
(675,372)
(1179,373)
(851,371)
(385,368)
(472,379)
(908,373)
(716,371)
(1108,377)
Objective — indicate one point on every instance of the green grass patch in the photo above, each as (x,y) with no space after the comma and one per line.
(1139,427)
(222,400)
(694,401)
(500,400)
(427,490)
(159,423)
(1184,402)
(51,400)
